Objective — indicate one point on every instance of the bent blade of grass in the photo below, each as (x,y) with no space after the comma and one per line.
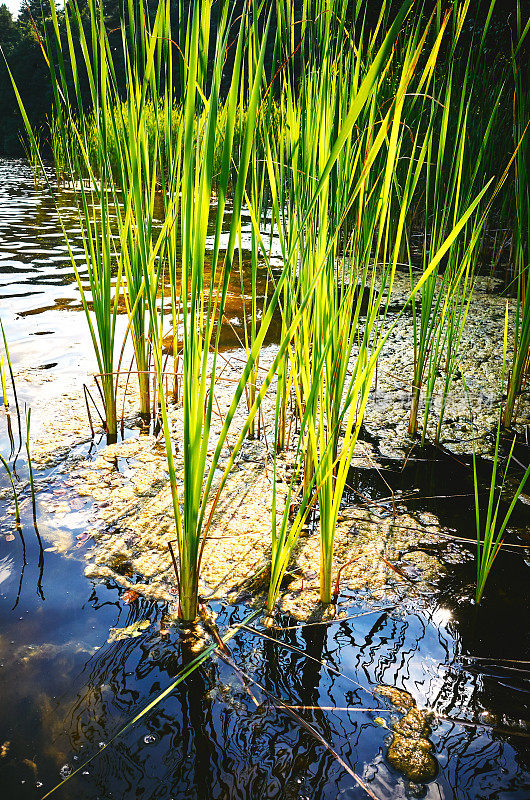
(181,676)
(13,488)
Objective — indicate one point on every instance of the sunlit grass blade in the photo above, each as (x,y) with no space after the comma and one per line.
(490,537)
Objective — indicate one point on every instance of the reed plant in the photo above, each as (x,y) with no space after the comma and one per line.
(33,160)
(202,300)
(7,366)
(446,294)
(333,355)
(109,153)
(348,133)
(490,536)
(335,350)
(183,161)
(466,156)
(188,173)
(3,383)
(521,227)
(9,463)
(94,202)
(203,294)
(445,350)
(253,301)
(14,494)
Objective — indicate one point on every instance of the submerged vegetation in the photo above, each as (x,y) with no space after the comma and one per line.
(356,135)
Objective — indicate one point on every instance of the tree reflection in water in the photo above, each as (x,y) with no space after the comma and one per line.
(208,739)
(62,696)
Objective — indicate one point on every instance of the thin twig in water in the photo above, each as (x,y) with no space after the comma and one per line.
(298,650)
(181,675)
(335,620)
(280,705)
(339,573)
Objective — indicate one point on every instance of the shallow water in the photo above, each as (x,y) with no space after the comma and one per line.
(66,690)
(39,298)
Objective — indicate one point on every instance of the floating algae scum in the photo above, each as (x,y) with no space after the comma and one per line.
(259,263)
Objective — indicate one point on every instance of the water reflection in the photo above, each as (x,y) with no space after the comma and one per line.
(209,739)
(212,738)
(37,279)
(66,690)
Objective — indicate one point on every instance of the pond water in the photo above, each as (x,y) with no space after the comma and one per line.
(252,726)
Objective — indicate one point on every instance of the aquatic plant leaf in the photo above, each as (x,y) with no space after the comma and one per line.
(129,632)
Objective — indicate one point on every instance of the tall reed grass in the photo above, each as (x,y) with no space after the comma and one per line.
(452,179)
(352,163)
(335,145)
(490,535)
(521,229)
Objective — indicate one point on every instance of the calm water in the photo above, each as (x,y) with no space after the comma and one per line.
(66,690)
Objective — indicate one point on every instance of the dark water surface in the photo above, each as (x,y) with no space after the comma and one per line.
(66,691)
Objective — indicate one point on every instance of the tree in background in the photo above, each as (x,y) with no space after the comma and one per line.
(38,10)
(20,45)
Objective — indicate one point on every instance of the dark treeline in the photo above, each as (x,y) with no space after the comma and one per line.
(24,56)
(19,40)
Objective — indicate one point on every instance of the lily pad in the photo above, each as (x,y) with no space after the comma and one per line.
(130,632)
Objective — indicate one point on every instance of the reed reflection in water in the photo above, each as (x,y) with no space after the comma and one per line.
(215,737)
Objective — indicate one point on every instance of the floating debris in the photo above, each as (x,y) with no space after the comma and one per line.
(410,751)
(130,596)
(403,701)
(130,632)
